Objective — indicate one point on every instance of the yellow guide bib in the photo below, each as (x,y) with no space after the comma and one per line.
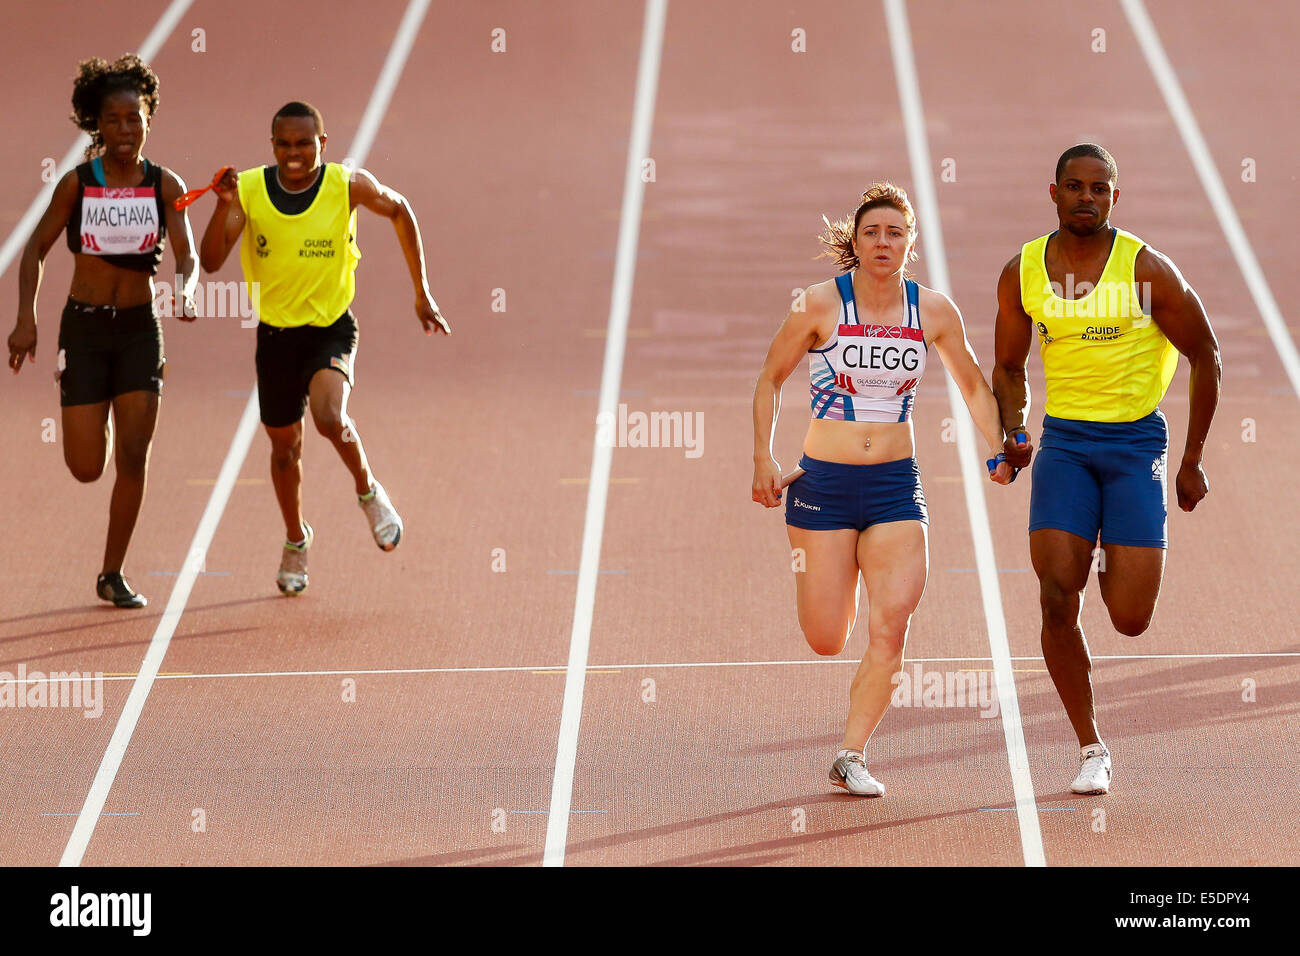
(1105,359)
(300,269)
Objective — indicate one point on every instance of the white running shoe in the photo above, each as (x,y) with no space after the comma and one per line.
(850,773)
(385,522)
(1094,771)
(292,578)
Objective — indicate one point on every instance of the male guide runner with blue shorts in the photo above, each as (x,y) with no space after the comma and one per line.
(1111,316)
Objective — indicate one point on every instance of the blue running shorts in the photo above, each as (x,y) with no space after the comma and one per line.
(1107,477)
(831,495)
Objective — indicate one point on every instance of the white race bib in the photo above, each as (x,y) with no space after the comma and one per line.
(119,221)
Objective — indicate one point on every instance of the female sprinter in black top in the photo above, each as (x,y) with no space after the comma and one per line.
(117,211)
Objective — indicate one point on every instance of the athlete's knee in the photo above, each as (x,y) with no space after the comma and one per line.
(887,642)
(890,619)
(132,455)
(1060,604)
(331,423)
(84,470)
(827,638)
(286,454)
(1129,624)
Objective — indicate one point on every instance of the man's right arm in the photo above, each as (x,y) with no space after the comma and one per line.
(1012,337)
(224,227)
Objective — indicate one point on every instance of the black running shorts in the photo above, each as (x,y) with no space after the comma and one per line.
(287,358)
(105,352)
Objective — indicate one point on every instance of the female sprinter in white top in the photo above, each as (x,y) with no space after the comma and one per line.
(858,507)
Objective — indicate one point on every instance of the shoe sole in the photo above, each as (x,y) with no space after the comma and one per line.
(845,787)
(133,606)
(1095,792)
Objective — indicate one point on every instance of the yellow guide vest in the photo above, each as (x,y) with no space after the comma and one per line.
(300,269)
(1105,359)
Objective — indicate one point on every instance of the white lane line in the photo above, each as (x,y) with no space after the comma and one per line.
(557,668)
(1212,182)
(407,31)
(23,230)
(230,468)
(972,470)
(647,82)
(126,721)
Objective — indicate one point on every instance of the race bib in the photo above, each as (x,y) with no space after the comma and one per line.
(878,359)
(119,221)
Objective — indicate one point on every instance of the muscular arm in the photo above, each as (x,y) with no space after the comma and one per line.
(22,342)
(797,334)
(948,335)
(1012,337)
(224,227)
(366,191)
(1177,310)
(178,227)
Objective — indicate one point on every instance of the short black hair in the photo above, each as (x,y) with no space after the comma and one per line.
(298,108)
(1088,149)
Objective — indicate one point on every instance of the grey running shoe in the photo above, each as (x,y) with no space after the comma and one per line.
(850,773)
(1094,771)
(385,522)
(292,578)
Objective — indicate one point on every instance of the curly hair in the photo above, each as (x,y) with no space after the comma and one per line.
(838,237)
(96,79)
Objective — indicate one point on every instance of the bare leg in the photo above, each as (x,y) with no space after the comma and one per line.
(87,439)
(827,588)
(135,415)
(1062,561)
(286,477)
(894,566)
(328,394)
(1130,585)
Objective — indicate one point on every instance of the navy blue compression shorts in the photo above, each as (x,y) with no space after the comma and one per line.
(831,495)
(1103,477)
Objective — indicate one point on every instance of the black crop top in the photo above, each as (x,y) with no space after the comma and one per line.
(125,226)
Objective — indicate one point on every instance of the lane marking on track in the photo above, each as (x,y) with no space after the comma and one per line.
(1040,809)
(662,665)
(628,333)
(918,148)
(15,241)
(612,481)
(216,506)
(629,228)
(202,574)
(576,571)
(1224,211)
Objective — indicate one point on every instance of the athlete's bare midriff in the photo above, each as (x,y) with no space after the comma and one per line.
(96,282)
(847,442)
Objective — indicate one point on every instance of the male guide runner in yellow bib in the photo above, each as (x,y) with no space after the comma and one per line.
(298,222)
(1111,316)
(301,269)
